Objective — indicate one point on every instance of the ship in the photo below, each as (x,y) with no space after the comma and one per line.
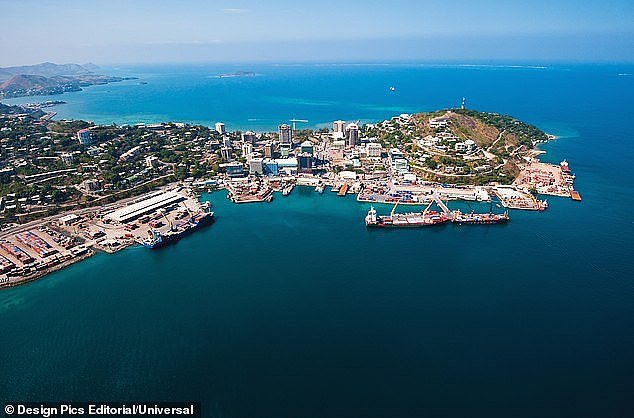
(425,217)
(479,218)
(156,239)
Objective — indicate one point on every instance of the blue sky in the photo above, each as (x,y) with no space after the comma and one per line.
(139,31)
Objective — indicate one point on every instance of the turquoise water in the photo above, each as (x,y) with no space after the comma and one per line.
(294,309)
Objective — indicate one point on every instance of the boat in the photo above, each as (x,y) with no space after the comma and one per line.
(392,88)
(287,190)
(479,218)
(320,188)
(565,168)
(156,239)
(425,217)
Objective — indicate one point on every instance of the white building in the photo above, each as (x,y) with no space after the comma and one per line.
(374,149)
(220,128)
(144,206)
(249,136)
(255,166)
(338,128)
(151,161)
(67,158)
(225,153)
(92,185)
(247,148)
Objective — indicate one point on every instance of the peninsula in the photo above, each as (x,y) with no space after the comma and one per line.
(48,78)
(70,188)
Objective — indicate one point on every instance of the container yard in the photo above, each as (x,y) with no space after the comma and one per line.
(32,252)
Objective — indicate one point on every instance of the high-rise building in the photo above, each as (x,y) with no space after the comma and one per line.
(249,136)
(247,148)
(305,163)
(338,127)
(352,135)
(269,150)
(226,141)
(225,153)
(220,128)
(285,133)
(84,136)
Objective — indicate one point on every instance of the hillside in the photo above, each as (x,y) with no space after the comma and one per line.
(47,69)
(462,145)
(49,78)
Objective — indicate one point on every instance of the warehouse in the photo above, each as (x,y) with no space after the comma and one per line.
(144,207)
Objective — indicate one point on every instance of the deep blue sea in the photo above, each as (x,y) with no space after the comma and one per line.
(295,309)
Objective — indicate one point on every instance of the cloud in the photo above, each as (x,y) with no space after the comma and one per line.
(235,10)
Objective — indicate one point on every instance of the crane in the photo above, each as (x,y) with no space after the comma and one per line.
(168,222)
(297,120)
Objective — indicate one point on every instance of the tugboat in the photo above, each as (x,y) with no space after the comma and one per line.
(405,220)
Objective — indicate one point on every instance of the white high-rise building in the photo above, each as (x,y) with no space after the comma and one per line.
(338,128)
(247,148)
(220,128)
(249,136)
(286,134)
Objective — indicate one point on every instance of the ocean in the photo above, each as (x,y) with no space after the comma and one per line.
(295,309)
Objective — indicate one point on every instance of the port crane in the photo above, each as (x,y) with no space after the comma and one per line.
(170,223)
(294,121)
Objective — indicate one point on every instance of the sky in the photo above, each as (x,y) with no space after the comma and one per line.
(143,31)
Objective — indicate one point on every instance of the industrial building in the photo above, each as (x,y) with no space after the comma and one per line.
(144,207)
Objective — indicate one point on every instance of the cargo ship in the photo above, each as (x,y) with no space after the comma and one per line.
(479,218)
(156,239)
(405,220)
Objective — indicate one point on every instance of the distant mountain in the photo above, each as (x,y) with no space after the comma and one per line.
(46,69)
(26,82)
(48,78)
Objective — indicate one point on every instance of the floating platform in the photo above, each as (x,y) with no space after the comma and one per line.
(575,195)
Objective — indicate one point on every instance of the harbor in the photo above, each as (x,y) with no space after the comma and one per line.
(153,220)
